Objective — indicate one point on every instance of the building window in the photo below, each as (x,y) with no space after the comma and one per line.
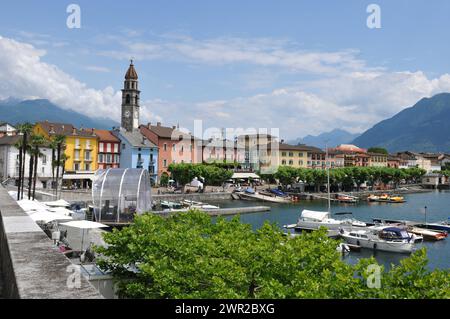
(77,155)
(174,147)
(165,163)
(283,162)
(123,146)
(300,162)
(44,160)
(165,147)
(87,155)
(300,154)
(283,153)
(291,154)
(291,162)
(87,167)
(76,166)
(100,158)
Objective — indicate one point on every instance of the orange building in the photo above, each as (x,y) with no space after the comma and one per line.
(174,146)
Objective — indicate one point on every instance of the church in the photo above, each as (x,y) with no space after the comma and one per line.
(136,150)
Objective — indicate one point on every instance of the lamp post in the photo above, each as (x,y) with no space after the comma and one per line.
(425,215)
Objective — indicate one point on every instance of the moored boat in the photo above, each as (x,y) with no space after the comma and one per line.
(427,233)
(314,220)
(390,239)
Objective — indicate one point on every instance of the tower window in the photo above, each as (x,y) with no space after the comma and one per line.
(128,99)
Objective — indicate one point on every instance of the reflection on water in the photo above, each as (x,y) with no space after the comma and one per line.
(438,209)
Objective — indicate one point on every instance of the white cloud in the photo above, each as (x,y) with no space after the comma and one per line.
(24,75)
(267,52)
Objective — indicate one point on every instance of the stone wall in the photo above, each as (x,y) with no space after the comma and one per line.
(30,266)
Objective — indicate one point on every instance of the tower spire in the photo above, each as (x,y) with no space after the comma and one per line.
(130,99)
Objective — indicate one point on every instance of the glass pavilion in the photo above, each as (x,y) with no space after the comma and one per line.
(120,193)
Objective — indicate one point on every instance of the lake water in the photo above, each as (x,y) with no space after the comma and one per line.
(438,209)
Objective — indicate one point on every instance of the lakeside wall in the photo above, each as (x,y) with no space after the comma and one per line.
(30,267)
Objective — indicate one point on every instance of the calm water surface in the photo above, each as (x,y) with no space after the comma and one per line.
(437,202)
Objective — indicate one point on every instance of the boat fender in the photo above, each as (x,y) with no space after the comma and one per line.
(357,243)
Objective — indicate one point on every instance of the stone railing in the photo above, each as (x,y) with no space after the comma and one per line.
(30,267)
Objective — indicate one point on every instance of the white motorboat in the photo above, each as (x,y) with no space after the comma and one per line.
(310,219)
(391,239)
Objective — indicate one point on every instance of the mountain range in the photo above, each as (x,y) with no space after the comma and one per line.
(15,111)
(333,138)
(424,127)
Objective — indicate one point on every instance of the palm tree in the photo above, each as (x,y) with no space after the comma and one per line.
(18,145)
(60,141)
(25,130)
(30,168)
(64,159)
(53,146)
(37,141)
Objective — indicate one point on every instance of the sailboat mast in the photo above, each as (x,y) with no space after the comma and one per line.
(328,178)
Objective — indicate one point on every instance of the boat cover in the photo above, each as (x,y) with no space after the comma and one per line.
(311,214)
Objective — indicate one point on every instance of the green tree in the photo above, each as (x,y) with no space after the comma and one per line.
(189,256)
(36,142)
(379,150)
(60,141)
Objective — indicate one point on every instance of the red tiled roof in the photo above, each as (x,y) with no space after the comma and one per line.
(65,129)
(106,136)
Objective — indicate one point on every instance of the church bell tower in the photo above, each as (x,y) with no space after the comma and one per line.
(130,100)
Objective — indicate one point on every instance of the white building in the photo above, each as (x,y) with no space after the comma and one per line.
(9,162)
(7,129)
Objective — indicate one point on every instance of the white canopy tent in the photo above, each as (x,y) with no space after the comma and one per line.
(245,176)
(47,217)
(83,224)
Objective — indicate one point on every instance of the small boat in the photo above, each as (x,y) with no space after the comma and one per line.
(428,234)
(396,199)
(391,239)
(343,248)
(314,220)
(443,226)
(385,198)
(170,205)
(346,199)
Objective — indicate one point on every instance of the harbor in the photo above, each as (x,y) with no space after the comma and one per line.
(437,203)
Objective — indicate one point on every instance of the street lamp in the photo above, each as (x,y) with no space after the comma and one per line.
(425,215)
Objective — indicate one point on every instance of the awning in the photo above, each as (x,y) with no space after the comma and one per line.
(78,176)
(245,176)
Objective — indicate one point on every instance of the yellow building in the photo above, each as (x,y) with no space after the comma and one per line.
(81,150)
(293,155)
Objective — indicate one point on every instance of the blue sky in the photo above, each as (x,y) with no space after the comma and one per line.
(302,66)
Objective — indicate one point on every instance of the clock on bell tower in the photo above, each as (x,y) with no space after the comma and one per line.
(130,100)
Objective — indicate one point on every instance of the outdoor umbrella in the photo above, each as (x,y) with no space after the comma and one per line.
(84,224)
(47,216)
